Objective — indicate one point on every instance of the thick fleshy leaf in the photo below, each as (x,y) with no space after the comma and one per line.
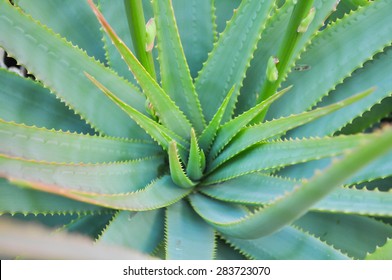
(141,231)
(35,242)
(209,133)
(188,237)
(158,132)
(180,178)
(251,135)
(74,22)
(261,189)
(293,205)
(287,244)
(160,193)
(359,36)
(56,146)
(196,159)
(195,25)
(108,178)
(226,61)
(26,101)
(89,225)
(372,74)
(14,199)
(354,235)
(175,75)
(57,63)
(274,154)
(169,113)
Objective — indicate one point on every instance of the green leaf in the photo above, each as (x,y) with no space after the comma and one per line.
(56,62)
(18,200)
(175,75)
(141,231)
(226,62)
(169,113)
(74,22)
(230,129)
(374,73)
(257,133)
(382,253)
(89,225)
(261,189)
(195,25)
(289,243)
(158,132)
(26,101)
(360,35)
(56,146)
(295,204)
(209,133)
(176,169)
(160,193)
(188,237)
(279,153)
(34,242)
(196,160)
(105,178)
(354,235)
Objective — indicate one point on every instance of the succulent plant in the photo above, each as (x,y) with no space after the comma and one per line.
(218,130)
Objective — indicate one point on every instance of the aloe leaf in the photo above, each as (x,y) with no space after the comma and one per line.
(175,75)
(196,161)
(226,61)
(209,133)
(26,101)
(360,35)
(176,169)
(106,178)
(195,25)
(18,200)
(158,132)
(141,231)
(56,62)
(269,45)
(160,193)
(75,22)
(289,243)
(262,189)
(56,146)
(188,237)
(382,253)
(35,242)
(169,113)
(372,74)
(254,134)
(233,127)
(295,204)
(353,235)
(274,154)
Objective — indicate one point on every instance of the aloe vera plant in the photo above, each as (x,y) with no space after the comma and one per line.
(218,130)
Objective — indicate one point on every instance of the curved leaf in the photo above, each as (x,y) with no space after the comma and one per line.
(56,146)
(106,178)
